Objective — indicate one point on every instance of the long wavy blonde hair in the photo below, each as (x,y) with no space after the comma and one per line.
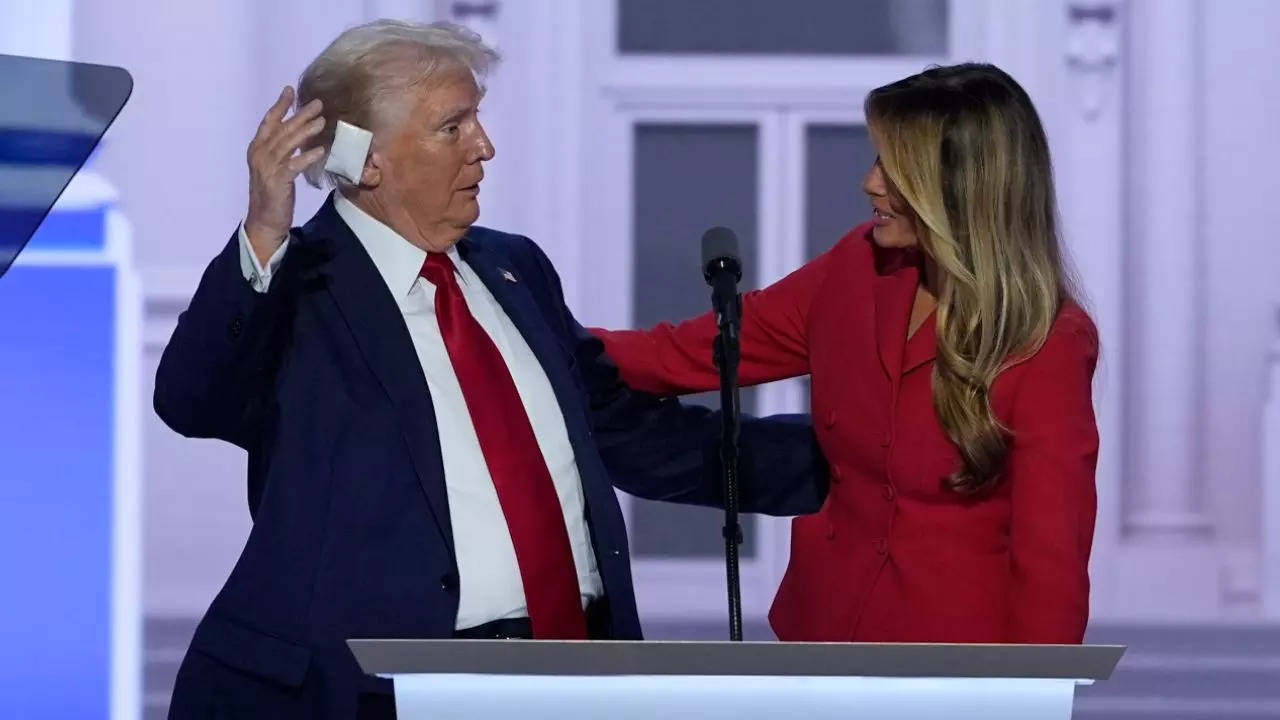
(964,149)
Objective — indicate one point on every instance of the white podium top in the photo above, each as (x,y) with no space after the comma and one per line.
(599,657)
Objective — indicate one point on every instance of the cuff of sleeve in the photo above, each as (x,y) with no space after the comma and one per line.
(259,277)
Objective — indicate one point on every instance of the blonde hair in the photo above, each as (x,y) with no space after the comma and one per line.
(366,67)
(964,148)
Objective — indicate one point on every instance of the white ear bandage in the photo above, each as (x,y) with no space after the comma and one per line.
(350,148)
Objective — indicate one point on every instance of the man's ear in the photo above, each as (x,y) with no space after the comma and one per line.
(371,177)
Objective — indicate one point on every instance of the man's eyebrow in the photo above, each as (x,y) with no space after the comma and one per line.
(456,113)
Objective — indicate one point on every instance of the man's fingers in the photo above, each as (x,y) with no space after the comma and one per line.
(276,112)
(301,119)
(285,146)
(304,160)
(305,114)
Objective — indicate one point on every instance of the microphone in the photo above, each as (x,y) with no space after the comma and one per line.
(722,270)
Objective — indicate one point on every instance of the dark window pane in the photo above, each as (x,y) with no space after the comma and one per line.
(688,178)
(798,27)
(836,159)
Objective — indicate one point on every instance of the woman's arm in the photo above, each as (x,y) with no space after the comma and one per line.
(1051,464)
(659,449)
(672,359)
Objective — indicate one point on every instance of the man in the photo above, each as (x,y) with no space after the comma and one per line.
(430,432)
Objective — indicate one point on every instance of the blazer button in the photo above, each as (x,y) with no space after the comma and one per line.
(235,328)
(449,582)
(836,475)
(881,545)
(886,439)
(831,418)
(888,493)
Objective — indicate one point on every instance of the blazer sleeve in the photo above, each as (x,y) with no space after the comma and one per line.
(675,359)
(1051,464)
(213,370)
(660,449)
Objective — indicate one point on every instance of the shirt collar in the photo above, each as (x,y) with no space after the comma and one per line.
(398,261)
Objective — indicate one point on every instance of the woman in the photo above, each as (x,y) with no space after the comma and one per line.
(951,372)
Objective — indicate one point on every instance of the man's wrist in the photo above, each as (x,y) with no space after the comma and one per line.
(264,241)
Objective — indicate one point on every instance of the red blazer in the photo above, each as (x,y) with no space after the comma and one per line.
(893,556)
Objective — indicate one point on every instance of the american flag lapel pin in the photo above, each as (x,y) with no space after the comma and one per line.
(506,275)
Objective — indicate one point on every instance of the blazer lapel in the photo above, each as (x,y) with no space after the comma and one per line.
(372,316)
(895,292)
(923,346)
(893,297)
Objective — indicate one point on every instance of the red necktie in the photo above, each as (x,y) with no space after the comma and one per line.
(520,475)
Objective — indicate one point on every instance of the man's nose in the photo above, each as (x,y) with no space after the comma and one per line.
(484,149)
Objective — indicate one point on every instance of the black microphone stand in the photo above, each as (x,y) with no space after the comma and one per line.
(727,354)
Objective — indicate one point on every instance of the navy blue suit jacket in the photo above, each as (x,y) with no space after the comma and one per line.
(318,380)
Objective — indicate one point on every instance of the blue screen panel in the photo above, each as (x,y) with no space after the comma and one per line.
(56,477)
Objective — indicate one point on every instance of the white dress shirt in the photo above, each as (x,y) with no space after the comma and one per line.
(489,576)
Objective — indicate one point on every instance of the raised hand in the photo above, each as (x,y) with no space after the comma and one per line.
(274,164)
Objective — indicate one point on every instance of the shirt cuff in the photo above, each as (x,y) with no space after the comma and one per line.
(259,277)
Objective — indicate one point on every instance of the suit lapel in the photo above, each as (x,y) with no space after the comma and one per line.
(512,292)
(515,294)
(374,319)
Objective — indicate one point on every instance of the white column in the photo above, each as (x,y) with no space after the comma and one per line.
(1087,136)
(1164,563)
(1165,262)
(1242,488)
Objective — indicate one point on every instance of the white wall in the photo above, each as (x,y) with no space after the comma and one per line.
(177,150)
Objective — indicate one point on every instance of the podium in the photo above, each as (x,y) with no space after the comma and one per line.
(533,680)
